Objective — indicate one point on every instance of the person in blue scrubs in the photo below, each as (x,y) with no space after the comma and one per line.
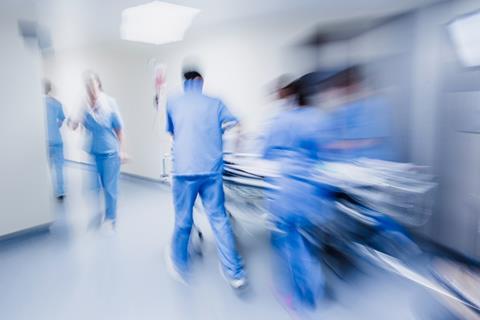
(362,122)
(295,141)
(103,121)
(55,120)
(196,123)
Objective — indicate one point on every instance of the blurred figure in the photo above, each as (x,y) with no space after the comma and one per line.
(285,93)
(102,120)
(196,123)
(361,119)
(55,119)
(295,141)
(361,127)
(252,141)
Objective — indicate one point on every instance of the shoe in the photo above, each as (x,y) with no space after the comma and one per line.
(172,270)
(196,244)
(236,284)
(60,198)
(96,222)
(108,227)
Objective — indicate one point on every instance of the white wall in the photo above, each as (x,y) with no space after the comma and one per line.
(238,62)
(24,183)
(442,95)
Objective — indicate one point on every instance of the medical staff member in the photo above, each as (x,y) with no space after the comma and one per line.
(362,121)
(295,142)
(252,141)
(196,123)
(102,120)
(55,120)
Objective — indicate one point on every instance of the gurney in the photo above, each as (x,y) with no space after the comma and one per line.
(401,191)
(366,191)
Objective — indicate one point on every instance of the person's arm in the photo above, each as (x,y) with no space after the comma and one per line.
(78,119)
(117,125)
(227,119)
(60,116)
(169,123)
(119,133)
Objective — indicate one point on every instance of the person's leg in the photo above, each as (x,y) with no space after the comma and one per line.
(299,274)
(307,274)
(211,192)
(184,194)
(109,175)
(282,274)
(57,162)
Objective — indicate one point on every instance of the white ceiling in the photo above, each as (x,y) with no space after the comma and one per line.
(81,22)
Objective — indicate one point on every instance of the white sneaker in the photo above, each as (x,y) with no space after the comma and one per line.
(172,269)
(234,283)
(238,283)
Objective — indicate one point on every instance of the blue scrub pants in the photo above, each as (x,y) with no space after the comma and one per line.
(210,189)
(297,206)
(108,171)
(55,153)
(299,273)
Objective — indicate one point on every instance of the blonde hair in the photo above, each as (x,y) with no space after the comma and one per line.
(90,76)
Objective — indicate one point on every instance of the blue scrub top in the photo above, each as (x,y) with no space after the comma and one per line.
(364,119)
(195,122)
(297,139)
(55,118)
(102,123)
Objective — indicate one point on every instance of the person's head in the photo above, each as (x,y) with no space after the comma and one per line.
(349,80)
(47,86)
(93,85)
(284,88)
(192,75)
(299,91)
(193,81)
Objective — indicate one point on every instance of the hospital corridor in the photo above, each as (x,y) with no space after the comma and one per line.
(225,159)
(74,273)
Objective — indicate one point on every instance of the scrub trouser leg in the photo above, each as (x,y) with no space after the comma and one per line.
(108,170)
(56,162)
(210,188)
(213,198)
(300,273)
(185,190)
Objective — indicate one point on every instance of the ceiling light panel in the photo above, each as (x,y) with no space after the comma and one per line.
(156,22)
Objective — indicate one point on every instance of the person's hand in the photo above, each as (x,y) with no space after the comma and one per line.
(72,124)
(124,157)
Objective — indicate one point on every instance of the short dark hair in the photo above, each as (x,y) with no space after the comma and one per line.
(47,86)
(191,74)
(350,76)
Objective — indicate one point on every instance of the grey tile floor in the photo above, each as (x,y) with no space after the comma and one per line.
(73,272)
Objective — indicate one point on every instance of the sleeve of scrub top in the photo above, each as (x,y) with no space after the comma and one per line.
(169,122)
(117,123)
(61,115)
(269,142)
(224,114)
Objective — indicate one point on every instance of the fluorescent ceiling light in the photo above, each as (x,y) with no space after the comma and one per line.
(156,22)
(466,38)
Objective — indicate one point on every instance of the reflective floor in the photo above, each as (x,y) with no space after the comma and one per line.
(75,272)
